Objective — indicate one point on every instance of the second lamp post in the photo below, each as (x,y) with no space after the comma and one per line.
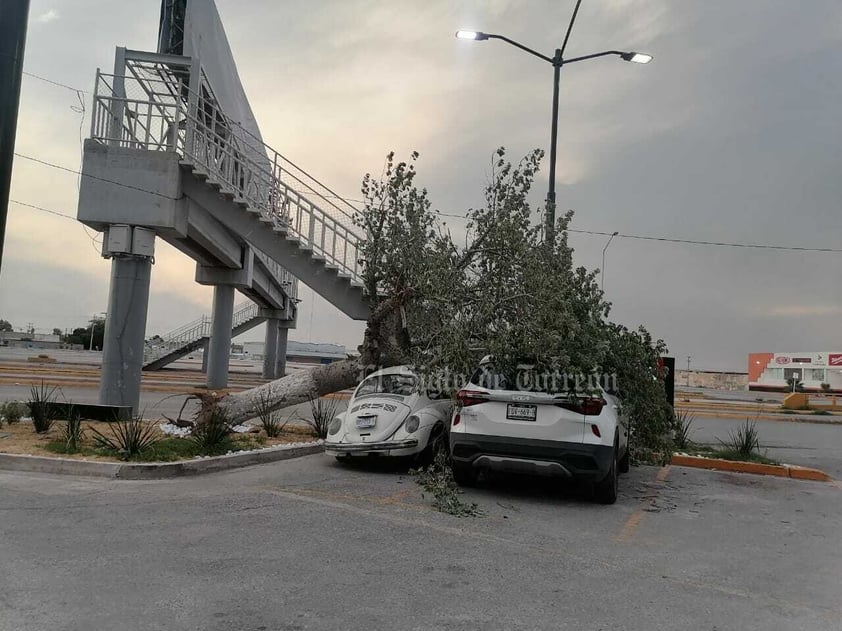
(557,62)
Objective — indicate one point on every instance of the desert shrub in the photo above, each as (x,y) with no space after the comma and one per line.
(127,438)
(42,400)
(323,412)
(13,411)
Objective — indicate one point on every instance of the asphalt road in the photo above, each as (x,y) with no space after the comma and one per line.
(308,544)
(152,404)
(805,444)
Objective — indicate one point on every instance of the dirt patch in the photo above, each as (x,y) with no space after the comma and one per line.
(21,439)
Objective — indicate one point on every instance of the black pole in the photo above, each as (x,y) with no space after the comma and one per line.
(549,228)
(13,19)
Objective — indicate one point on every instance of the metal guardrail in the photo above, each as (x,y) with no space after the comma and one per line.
(192,332)
(150,108)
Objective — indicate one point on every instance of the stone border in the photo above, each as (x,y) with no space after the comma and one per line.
(153,471)
(736,466)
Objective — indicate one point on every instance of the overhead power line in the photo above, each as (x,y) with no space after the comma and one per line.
(55,83)
(726,244)
(93,177)
(46,80)
(42,209)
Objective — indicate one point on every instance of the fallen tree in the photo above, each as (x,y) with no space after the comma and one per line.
(442,299)
(403,258)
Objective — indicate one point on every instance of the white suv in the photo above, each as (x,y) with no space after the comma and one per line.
(497,427)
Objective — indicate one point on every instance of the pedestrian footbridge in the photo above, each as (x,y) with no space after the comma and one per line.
(165,161)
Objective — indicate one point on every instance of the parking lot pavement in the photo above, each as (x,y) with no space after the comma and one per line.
(310,544)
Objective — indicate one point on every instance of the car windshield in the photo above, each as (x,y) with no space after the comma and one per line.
(401,385)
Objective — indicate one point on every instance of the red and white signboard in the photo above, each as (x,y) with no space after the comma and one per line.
(781,360)
(834,359)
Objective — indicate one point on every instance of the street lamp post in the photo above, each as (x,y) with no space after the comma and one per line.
(602,271)
(557,62)
(93,324)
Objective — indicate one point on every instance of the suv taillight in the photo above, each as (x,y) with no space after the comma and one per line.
(587,407)
(467,398)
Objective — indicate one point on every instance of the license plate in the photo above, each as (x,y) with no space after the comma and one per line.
(365,422)
(521,412)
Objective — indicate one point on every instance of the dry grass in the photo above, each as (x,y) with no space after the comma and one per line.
(20,438)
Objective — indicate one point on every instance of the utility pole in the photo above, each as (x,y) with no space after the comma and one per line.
(13,18)
(688,371)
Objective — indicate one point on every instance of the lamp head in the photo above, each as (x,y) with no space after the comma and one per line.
(471,35)
(638,58)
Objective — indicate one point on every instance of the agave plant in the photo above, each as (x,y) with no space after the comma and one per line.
(127,438)
(683,428)
(42,399)
(322,411)
(745,440)
(211,433)
(72,432)
(271,420)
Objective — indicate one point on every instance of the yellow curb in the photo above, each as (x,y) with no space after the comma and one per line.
(804,473)
(781,471)
(829,419)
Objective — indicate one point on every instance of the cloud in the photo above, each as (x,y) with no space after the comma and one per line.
(719,138)
(803,311)
(48,16)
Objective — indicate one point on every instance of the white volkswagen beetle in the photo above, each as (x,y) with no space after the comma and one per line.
(390,415)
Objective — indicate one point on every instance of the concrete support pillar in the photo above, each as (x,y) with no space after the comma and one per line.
(125,330)
(220,342)
(205,355)
(281,363)
(270,349)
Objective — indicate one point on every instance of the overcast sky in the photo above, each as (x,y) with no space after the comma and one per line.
(733,133)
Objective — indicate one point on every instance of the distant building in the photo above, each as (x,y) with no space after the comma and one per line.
(770,371)
(301,352)
(19,339)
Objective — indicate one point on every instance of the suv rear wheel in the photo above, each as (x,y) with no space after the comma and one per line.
(625,461)
(606,489)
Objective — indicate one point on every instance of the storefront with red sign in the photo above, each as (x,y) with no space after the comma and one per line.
(816,371)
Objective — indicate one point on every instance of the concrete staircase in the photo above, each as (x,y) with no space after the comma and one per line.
(260,198)
(195,335)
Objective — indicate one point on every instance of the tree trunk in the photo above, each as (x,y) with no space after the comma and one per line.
(293,389)
(380,349)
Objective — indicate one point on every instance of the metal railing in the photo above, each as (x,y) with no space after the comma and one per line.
(155,110)
(192,332)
